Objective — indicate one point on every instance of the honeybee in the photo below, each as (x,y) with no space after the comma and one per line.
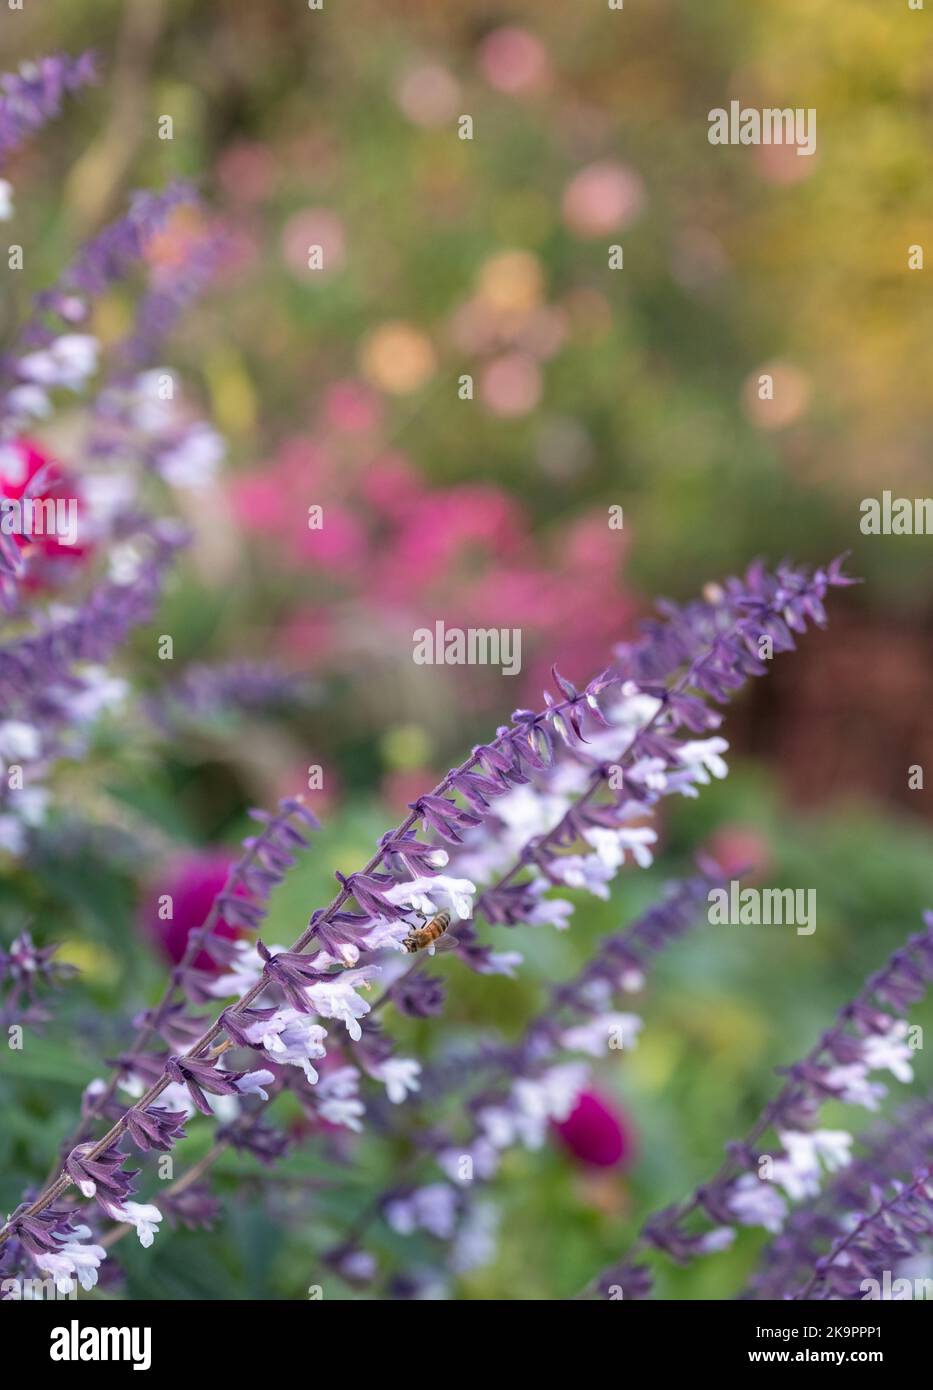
(428,934)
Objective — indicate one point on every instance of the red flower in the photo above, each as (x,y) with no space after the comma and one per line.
(26,471)
(191,884)
(595,1132)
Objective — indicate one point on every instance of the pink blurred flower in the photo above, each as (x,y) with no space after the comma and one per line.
(602,198)
(596,1133)
(311,228)
(338,545)
(392,485)
(428,95)
(400,788)
(511,384)
(192,883)
(738,850)
(309,636)
(259,503)
(352,406)
(514,60)
(25,469)
(246,170)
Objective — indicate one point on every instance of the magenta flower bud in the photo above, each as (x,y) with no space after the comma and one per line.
(595,1132)
(192,884)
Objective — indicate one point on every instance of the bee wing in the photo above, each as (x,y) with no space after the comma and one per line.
(445,943)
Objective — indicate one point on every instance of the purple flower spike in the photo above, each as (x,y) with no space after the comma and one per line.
(35,95)
(155,1128)
(200,1075)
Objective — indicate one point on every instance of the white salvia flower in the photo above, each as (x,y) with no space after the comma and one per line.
(104,495)
(68,361)
(499,1126)
(399,1075)
(475,1245)
(73,1260)
(607,845)
(583,871)
(338,1101)
(101,691)
(254,1083)
(29,401)
(756,1203)
(336,997)
(244,972)
(853,1086)
(431,895)
(500,963)
(124,563)
(193,460)
(650,773)
(290,1037)
(436,1209)
(834,1147)
(799,1172)
(595,1036)
(533,1103)
(152,413)
(719,1239)
(438,858)
(342,1082)
(347,955)
(611,845)
(703,756)
(6,200)
(19,742)
(12,836)
(348,1114)
(528,813)
(176,1096)
(479,1160)
(144,1217)
(385,933)
(626,716)
(560,1086)
(551,912)
(31,804)
(596,994)
(886,1051)
(432,1208)
(225,1109)
(637,840)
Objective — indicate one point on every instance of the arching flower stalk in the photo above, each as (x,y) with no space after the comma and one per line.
(754,1186)
(813,1228)
(326,982)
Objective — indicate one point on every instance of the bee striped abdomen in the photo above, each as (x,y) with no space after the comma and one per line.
(419,938)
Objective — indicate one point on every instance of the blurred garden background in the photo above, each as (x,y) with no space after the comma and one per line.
(340,386)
